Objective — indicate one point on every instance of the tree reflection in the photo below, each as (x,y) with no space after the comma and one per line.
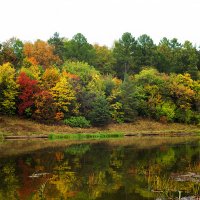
(9,183)
(100,171)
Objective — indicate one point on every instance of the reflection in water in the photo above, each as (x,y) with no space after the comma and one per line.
(101,171)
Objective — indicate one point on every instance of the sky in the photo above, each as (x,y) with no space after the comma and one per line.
(100,21)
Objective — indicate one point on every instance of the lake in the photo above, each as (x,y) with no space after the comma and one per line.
(116,169)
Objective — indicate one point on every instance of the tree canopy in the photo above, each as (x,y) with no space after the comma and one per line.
(65,79)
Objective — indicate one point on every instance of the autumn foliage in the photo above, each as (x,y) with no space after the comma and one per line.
(62,79)
(44,107)
(40,53)
(8,89)
(28,89)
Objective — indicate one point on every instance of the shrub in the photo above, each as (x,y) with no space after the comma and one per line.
(167,109)
(84,71)
(184,115)
(195,118)
(77,122)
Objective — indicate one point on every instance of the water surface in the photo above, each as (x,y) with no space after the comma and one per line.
(123,169)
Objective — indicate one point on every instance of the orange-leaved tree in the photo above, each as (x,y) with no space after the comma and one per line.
(41,53)
(45,109)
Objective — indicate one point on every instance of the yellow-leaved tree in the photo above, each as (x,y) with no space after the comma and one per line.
(8,89)
(50,78)
(96,85)
(64,98)
(34,72)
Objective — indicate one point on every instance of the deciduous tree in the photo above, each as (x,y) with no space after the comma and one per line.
(8,89)
(64,97)
(12,51)
(41,52)
(28,88)
(104,60)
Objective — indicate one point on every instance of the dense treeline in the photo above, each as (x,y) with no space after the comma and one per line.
(74,82)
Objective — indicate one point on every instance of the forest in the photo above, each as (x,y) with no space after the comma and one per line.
(73,82)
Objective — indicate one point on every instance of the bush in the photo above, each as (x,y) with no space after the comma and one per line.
(196,118)
(167,109)
(77,122)
(184,115)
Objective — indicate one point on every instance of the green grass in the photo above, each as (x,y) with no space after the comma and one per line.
(82,136)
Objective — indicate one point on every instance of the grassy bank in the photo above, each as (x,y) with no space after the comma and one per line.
(78,136)
(16,126)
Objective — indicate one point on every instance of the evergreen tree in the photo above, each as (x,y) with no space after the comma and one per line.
(100,115)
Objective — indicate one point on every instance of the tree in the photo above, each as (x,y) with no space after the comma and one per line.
(12,51)
(124,52)
(28,88)
(146,51)
(87,84)
(64,97)
(182,90)
(50,78)
(165,55)
(128,100)
(33,72)
(8,89)
(188,60)
(104,60)
(169,54)
(113,94)
(96,85)
(45,110)
(36,72)
(85,98)
(42,53)
(83,70)
(78,49)
(198,54)
(100,115)
(149,86)
(58,43)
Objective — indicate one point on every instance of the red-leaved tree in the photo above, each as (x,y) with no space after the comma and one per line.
(28,88)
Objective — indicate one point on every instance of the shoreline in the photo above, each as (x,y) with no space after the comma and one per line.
(151,134)
(16,128)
